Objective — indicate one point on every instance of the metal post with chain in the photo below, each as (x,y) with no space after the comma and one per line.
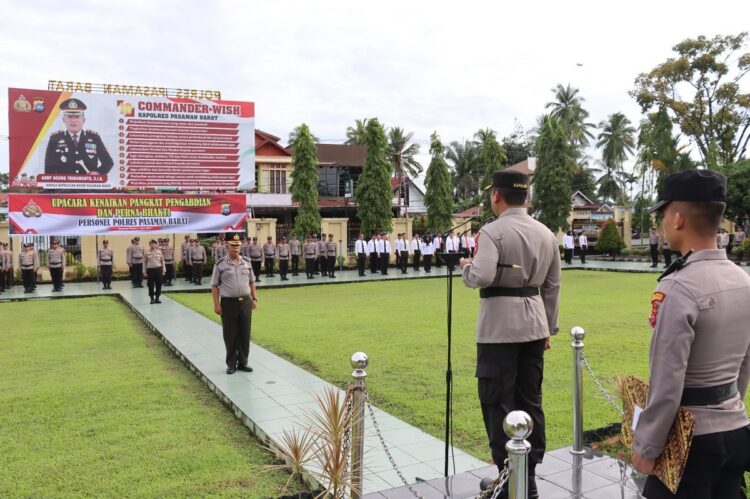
(356,397)
(607,396)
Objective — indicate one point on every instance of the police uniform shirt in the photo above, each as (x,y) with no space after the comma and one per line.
(233,277)
(89,156)
(56,258)
(134,254)
(269,250)
(221,252)
(254,251)
(282,251)
(516,238)
(322,248)
(105,257)
(739,236)
(360,246)
(700,317)
(311,250)
(168,254)
(155,260)
(28,259)
(197,254)
(185,248)
(331,248)
(653,237)
(294,247)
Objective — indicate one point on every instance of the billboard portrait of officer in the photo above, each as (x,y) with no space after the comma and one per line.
(75,150)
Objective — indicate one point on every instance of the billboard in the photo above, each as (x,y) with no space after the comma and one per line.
(100,213)
(75,140)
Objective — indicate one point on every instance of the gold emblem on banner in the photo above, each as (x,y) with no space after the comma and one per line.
(31,210)
(226,208)
(22,105)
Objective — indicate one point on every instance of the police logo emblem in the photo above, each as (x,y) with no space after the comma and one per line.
(31,210)
(226,208)
(38,105)
(22,105)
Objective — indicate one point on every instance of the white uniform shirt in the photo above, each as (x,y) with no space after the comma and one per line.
(583,241)
(400,245)
(568,242)
(427,249)
(360,246)
(379,246)
(371,246)
(415,245)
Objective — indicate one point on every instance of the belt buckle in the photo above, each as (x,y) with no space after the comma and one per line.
(241,298)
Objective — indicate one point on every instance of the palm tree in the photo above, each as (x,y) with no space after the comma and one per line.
(466,175)
(617,141)
(402,156)
(568,108)
(357,135)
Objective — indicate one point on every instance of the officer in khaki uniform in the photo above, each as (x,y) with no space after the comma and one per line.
(269,256)
(235,297)
(105,259)
(8,267)
(323,255)
(283,253)
(154,271)
(184,250)
(331,256)
(256,257)
(168,261)
(311,255)
(700,348)
(197,258)
(134,259)
(28,262)
(295,248)
(517,314)
(56,265)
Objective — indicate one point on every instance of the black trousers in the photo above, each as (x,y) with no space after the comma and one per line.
(154,282)
(295,264)
(715,468)
(256,269)
(28,276)
(654,253)
(310,267)
(105,273)
(361,259)
(331,266)
(509,379)
(404,261)
(236,318)
(322,265)
(568,255)
(667,257)
(269,267)
(57,277)
(417,256)
(8,278)
(427,263)
(136,274)
(383,257)
(169,275)
(188,270)
(582,253)
(197,272)
(283,268)
(374,264)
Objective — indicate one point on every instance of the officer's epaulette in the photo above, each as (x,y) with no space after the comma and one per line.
(92,132)
(246,259)
(57,133)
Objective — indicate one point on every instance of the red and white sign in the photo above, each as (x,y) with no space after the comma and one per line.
(127,142)
(80,214)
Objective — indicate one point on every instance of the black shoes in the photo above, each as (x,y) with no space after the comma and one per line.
(231,370)
(245,369)
(152,300)
(157,300)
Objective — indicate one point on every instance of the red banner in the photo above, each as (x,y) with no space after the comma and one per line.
(77,214)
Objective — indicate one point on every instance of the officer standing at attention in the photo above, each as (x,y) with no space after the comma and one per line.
(269,255)
(403,253)
(28,261)
(700,348)
(517,314)
(197,256)
(155,270)
(235,297)
(256,257)
(311,254)
(583,245)
(295,248)
(372,249)
(416,249)
(168,261)
(8,267)
(323,255)
(56,264)
(360,249)
(331,251)
(666,251)
(384,252)
(185,252)
(653,245)
(134,259)
(75,150)
(105,259)
(283,251)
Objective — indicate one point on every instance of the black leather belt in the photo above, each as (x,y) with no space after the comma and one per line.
(708,396)
(197,261)
(497,291)
(240,299)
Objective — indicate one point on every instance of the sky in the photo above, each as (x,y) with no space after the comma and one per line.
(451,67)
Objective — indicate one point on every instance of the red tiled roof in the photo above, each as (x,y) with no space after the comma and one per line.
(262,139)
(470,212)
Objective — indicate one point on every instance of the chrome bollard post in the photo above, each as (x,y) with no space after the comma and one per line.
(518,426)
(359,363)
(577,334)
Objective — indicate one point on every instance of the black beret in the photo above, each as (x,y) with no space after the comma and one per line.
(699,186)
(509,179)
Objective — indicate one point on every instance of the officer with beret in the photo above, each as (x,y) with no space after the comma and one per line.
(75,150)
(517,268)
(235,297)
(105,259)
(700,348)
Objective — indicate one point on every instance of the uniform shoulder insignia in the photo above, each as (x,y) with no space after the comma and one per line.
(656,299)
(57,133)
(92,132)
(246,259)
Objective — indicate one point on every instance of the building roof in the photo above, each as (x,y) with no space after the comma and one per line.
(523,167)
(341,154)
(263,139)
(395,182)
(470,212)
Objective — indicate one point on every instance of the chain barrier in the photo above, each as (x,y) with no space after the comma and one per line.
(385,447)
(494,490)
(609,398)
(349,401)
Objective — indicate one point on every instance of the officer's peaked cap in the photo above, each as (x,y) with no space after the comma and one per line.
(509,179)
(235,240)
(72,106)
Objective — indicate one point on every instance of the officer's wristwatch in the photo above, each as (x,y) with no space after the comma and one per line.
(254,298)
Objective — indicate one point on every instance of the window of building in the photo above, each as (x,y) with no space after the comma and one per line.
(274,178)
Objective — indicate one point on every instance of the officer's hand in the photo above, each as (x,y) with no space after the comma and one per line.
(217,309)
(547,344)
(253,304)
(642,464)
(464,262)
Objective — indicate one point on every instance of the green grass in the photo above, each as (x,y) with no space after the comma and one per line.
(92,404)
(401,325)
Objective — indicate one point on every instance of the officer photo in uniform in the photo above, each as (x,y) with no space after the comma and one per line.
(235,297)
(700,348)
(75,150)
(518,313)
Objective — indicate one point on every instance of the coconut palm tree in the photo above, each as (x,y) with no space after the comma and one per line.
(568,108)
(401,154)
(617,141)
(357,135)
(466,172)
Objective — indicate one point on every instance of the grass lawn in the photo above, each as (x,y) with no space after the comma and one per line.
(401,326)
(92,404)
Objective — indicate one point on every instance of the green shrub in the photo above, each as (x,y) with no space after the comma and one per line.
(80,271)
(610,240)
(627,252)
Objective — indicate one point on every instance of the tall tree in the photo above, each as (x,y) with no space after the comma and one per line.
(616,139)
(402,155)
(700,87)
(518,146)
(357,135)
(374,194)
(304,182)
(568,108)
(552,192)
(466,171)
(738,191)
(293,137)
(437,183)
(491,158)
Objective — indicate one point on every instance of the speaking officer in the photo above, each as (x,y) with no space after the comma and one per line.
(360,249)
(284,253)
(295,248)
(700,348)
(197,256)
(134,259)
(75,150)
(168,261)
(517,314)
(235,297)
(185,250)
(56,264)
(28,261)
(154,271)
(105,259)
